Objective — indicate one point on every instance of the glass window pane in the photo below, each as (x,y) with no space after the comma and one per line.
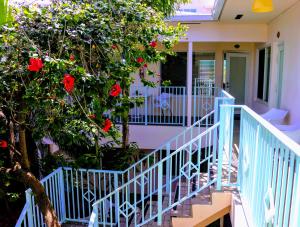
(261,70)
(204,69)
(174,69)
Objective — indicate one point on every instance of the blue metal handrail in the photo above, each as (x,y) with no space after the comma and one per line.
(54,188)
(73,191)
(96,184)
(152,182)
(266,168)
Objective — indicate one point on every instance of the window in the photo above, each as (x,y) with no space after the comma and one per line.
(174,69)
(263,83)
(201,10)
(204,69)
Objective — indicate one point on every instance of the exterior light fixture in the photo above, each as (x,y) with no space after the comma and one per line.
(262,6)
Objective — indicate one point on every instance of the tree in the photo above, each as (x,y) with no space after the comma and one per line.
(166,7)
(5,12)
(63,69)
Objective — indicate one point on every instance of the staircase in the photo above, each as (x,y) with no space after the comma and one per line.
(205,214)
(159,192)
(155,190)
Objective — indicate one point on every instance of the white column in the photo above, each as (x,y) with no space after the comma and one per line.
(189,82)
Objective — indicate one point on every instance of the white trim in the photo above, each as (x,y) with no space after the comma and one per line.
(279,81)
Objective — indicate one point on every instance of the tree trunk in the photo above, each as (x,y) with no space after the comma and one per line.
(12,141)
(38,190)
(23,147)
(22,142)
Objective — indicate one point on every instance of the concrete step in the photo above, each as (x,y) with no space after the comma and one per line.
(203,215)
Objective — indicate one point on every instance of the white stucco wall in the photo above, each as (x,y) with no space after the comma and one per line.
(288,24)
(226,32)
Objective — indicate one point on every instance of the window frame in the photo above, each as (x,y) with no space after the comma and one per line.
(267,74)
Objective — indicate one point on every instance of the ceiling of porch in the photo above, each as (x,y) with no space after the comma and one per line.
(234,7)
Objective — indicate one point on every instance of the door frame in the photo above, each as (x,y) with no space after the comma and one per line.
(239,54)
(279,81)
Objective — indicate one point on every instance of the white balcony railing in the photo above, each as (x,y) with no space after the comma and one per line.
(168,105)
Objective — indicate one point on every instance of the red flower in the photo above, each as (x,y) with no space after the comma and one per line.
(35,64)
(3,144)
(115,90)
(145,65)
(140,60)
(107,125)
(92,116)
(72,57)
(114,46)
(69,82)
(153,44)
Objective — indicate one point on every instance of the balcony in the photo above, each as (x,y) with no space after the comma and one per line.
(169,105)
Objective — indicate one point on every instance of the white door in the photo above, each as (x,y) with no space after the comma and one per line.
(280,73)
(236,74)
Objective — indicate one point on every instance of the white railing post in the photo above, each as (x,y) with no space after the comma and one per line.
(159,200)
(30,207)
(184,106)
(62,194)
(189,82)
(146,104)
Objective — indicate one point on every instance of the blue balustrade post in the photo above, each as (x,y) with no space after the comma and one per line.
(295,206)
(30,207)
(159,200)
(221,146)
(117,202)
(195,104)
(62,194)
(146,105)
(168,171)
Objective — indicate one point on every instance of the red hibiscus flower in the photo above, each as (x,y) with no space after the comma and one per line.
(3,144)
(35,64)
(114,46)
(92,116)
(140,60)
(153,44)
(145,65)
(69,82)
(115,90)
(107,125)
(72,57)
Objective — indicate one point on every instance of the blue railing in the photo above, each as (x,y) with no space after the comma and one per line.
(156,187)
(265,167)
(54,187)
(80,188)
(83,187)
